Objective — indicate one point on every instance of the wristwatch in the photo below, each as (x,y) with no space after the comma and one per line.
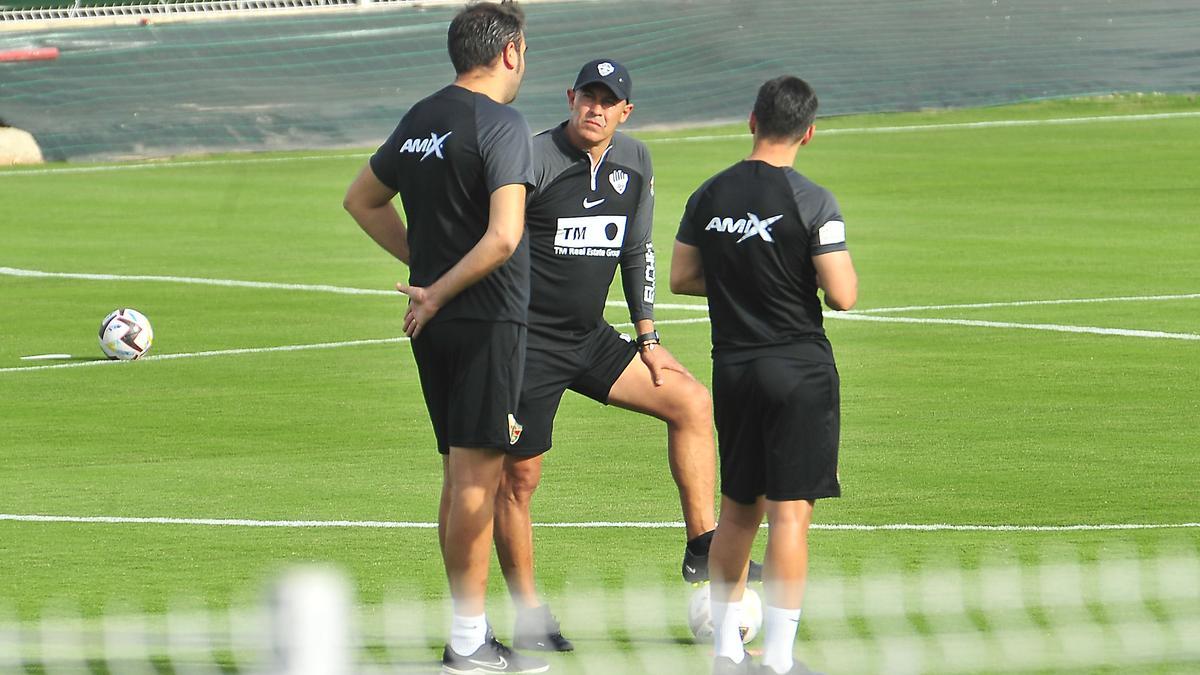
(648,340)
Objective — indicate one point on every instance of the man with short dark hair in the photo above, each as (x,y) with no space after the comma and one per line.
(759,240)
(592,210)
(460,160)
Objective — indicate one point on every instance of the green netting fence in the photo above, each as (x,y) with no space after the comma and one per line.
(337,78)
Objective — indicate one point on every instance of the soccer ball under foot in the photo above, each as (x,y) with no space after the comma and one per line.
(700,614)
(126,334)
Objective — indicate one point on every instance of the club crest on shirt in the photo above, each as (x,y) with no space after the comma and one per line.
(619,180)
(514,430)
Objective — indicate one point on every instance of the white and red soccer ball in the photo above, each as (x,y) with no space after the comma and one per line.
(700,614)
(126,334)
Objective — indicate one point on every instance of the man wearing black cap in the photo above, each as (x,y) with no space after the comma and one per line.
(591,208)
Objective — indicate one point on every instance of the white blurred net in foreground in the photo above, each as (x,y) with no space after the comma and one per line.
(1128,613)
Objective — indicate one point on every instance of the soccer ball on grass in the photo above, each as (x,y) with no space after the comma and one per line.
(126,334)
(700,614)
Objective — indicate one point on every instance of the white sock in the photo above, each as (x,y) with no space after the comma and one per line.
(727,636)
(467,633)
(779,637)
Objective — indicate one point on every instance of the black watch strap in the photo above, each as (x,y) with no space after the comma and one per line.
(650,338)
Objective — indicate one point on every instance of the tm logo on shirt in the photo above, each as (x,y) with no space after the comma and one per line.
(429,146)
(747,227)
(593,236)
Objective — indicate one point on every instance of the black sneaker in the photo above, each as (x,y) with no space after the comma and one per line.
(538,630)
(491,657)
(723,665)
(695,565)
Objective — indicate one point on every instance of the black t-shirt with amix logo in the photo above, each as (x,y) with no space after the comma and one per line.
(758,228)
(445,158)
(584,218)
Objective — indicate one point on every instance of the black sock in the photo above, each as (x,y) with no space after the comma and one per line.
(700,545)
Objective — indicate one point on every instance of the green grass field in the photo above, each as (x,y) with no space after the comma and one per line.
(1004,421)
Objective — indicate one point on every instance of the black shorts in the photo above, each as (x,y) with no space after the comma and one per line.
(778,422)
(589,367)
(471,377)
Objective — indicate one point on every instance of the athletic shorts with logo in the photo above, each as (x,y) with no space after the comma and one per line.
(589,366)
(471,377)
(778,417)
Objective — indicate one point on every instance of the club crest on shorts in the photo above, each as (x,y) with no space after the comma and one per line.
(514,430)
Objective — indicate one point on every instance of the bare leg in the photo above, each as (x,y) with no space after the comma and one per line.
(787,552)
(514,527)
(444,505)
(473,478)
(729,556)
(686,406)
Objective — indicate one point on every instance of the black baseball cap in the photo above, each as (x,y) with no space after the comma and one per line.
(609,73)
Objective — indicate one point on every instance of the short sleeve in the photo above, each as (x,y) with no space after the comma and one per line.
(506,146)
(822,217)
(687,230)
(384,162)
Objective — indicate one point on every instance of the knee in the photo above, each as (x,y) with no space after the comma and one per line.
(694,408)
(520,481)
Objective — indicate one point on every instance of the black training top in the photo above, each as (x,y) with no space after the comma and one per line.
(582,220)
(758,227)
(445,158)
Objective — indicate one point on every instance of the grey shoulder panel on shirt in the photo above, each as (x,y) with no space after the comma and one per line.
(816,204)
(820,213)
(504,143)
(630,152)
(686,234)
(549,160)
(489,114)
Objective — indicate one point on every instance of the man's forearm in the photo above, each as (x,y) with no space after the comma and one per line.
(489,253)
(694,286)
(384,226)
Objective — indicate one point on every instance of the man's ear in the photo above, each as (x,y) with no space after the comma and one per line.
(808,134)
(753,123)
(511,56)
(571,98)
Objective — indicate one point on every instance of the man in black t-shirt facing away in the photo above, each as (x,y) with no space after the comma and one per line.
(759,240)
(592,211)
(460,160)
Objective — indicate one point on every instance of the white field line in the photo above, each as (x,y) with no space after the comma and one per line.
(1058,328)
(1027,303)
(264,350)
(218,352)
(349,290)
(947,126)
(860,315)
(201,281)
(165,164)
(384,524)
(235,283)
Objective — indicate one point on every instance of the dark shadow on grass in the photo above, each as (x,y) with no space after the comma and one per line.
(686,642)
